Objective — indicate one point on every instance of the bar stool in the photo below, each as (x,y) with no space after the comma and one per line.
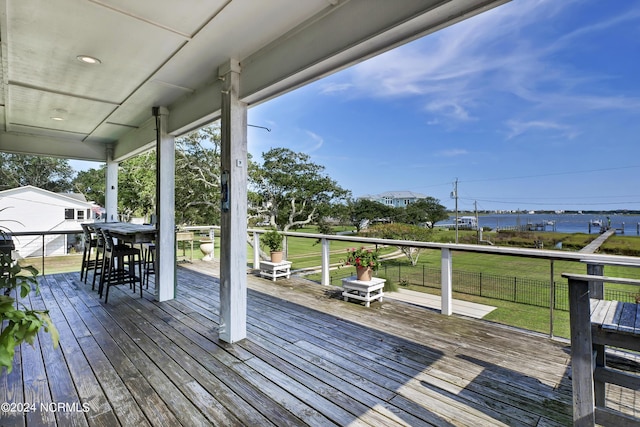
(90,242)
(118,266)
(99,261)
(148,262)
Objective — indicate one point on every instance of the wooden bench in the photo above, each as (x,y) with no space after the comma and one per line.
(596,324)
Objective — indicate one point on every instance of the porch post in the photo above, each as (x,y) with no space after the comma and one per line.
(326,279)
(233,221)
(445,282)
(165,208)
(256,251)
(111,192)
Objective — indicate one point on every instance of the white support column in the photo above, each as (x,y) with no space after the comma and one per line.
(233,230)
(256,251)
(165,210)
(326,279)
(445,280)
(111,190)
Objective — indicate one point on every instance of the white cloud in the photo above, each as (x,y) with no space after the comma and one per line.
(454,152)
(507,53)
(316,139)
(518,128)
(329,87)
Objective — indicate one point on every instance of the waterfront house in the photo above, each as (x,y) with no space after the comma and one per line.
(397,199)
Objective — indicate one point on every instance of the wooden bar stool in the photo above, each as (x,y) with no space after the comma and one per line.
(90,242)
(119,266)
(148,262)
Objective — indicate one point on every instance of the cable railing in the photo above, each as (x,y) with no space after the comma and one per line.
(514,287)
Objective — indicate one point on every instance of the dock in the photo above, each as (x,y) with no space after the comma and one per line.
(597,242)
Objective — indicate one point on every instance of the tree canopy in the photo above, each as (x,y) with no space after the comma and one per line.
(52,174)
(365,209)
(425,212)
(293,191)
(198,177)
(402,232)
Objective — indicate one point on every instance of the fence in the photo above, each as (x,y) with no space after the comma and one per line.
(506,288)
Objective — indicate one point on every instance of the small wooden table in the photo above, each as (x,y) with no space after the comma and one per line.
(274,270)
(367,291)
(184,236)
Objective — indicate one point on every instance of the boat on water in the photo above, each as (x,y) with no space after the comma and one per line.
(468,222)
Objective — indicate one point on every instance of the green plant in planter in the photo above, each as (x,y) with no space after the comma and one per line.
(18,322)
(272,239)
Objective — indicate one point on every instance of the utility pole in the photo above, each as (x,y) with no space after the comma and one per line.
(475,207)
(454,195)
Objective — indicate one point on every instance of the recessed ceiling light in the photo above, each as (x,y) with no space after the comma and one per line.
(59,114)
(88,59)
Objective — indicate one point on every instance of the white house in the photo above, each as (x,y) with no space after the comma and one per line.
(395,198)
(29,208)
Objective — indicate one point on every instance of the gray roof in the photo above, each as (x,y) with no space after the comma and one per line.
(77,196)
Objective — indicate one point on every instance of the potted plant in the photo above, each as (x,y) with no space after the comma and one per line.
(273,240)
(364,260)
(18,322)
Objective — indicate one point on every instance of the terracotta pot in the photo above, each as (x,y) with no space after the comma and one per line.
(363,273)
(276,256)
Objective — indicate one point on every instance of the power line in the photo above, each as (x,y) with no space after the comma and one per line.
(515,201)
(551,174)
(530,176)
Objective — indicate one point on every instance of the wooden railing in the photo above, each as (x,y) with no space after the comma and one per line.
(596,324)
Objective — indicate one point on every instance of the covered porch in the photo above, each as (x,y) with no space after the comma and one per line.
(309,359)
(105,80)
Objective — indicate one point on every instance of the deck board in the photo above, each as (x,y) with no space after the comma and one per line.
(309,359)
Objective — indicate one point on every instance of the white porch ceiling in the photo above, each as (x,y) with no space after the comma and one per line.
(167,53)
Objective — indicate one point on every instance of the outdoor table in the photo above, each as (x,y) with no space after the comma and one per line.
(127,232)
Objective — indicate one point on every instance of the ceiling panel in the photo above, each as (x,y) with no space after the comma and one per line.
(36,108)
(184,16)
(130,50)
(167,53)
(235,33)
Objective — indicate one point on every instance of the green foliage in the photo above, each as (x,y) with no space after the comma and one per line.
(292,190)
(402,232)
(92,184)
(362,257)
(198,177)
(363,209)
(272,239)
(136,186)
(389,285)
(48,173)
(20,324)
(197,180)
(425,211)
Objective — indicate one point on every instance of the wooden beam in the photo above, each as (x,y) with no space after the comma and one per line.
(233,221)
(165,210)
(581,353)
(446,283)
(111,190)
(326,279)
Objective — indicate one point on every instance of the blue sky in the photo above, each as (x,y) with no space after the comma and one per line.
(533,105)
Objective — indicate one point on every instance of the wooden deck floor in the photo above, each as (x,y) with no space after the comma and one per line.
(309,359)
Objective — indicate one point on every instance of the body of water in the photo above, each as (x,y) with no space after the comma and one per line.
(564,223)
